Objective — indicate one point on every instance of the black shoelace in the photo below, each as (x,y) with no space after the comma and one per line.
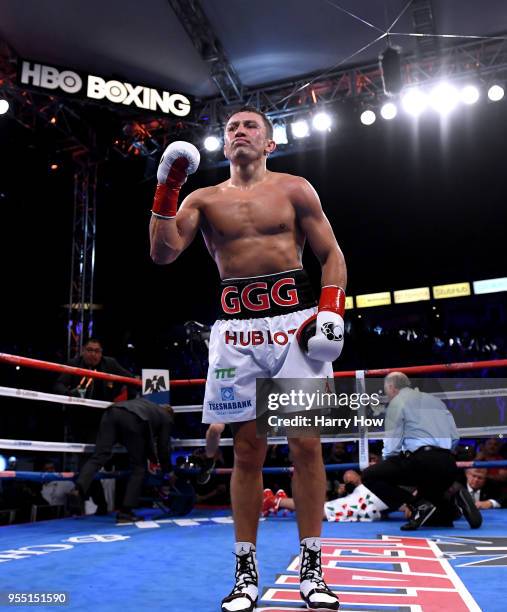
(311,568)
(245,572)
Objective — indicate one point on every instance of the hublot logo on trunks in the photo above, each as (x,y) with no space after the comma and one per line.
(254,297)
(257,337)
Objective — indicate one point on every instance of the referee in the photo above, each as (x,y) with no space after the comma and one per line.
(419,435)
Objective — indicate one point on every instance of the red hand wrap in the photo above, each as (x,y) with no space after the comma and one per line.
(332,299)
(165,202)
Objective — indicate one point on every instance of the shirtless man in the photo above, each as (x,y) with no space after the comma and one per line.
(255,225)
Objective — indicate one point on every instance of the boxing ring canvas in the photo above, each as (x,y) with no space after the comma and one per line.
(186,564)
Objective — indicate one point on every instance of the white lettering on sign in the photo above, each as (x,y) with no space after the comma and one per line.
(50,78)
(97,88)
(142,97)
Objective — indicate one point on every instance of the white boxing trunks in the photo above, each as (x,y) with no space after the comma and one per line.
(256,338)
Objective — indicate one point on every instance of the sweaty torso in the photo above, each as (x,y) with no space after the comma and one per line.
(252,231)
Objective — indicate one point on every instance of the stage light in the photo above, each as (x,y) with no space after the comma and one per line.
(414,102)
(4,107)
(444,98)
(280,133)
(389,111)
(368,117)
(300,128)
(496,93)
(321,122)
(211,143)
(469,94)
(53,167)
(3,463)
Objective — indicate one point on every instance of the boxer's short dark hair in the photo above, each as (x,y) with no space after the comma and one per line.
(251,109)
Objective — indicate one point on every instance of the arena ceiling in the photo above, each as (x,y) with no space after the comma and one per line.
(264,41)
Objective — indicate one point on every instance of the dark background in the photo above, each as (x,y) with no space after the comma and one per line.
(411,203)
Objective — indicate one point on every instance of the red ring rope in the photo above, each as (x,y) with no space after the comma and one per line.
(186,382)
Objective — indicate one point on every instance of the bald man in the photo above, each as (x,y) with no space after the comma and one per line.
(419,435)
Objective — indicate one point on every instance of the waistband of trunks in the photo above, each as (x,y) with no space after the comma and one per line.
(266,296)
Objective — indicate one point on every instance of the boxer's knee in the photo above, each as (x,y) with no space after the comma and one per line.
(305,451)
(249,453)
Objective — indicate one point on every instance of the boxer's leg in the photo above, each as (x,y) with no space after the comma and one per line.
(246,480)
(308,484)
(246,500)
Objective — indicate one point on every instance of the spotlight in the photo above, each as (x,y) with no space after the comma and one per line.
(444,98)
(469,94)
(53,167)
(4,107)
(280,133)
(211,143)
(414,102)
(321,122)
(300,128)
(496,93)
(368,117)
(389,111)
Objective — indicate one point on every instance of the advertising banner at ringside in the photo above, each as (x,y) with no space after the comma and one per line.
(100,89)
(438,406)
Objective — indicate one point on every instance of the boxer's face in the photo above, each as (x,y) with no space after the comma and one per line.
(246,138)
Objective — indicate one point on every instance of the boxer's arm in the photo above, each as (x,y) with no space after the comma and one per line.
(321,335)
(170,237)
(319,234)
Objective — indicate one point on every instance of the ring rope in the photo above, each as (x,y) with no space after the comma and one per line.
(338,467)
(67,399)
(422,369)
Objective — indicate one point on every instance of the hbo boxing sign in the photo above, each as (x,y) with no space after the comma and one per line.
(97,88)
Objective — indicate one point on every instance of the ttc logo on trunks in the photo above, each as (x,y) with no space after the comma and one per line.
(227,394)
(225,373)
(255,297)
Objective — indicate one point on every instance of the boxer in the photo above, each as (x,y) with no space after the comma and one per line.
(255,225)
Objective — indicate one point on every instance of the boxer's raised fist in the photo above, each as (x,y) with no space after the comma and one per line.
(178,161)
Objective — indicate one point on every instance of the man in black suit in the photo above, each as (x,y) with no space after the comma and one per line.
(144,429)
(486,494)
(92,358)
(81,424)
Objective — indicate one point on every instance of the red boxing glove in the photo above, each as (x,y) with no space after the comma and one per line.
(321,335)
(178,161)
